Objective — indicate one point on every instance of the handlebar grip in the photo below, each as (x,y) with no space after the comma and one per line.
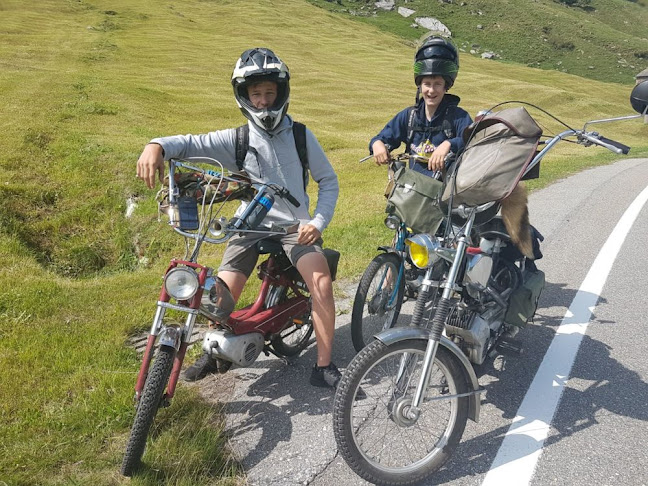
(291,199)
(624,148)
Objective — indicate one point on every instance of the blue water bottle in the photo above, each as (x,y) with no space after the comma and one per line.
(259,212)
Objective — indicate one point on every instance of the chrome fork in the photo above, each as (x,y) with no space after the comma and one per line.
(438,323)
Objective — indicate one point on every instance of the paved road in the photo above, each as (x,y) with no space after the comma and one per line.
(281,427)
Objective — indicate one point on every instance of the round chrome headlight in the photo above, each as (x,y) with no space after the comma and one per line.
(181,283)
(421,249)
(392,221)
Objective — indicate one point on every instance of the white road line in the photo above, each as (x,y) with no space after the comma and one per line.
(519,453)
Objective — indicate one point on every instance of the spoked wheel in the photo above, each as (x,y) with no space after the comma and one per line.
(294,338)
(147,408)
(374,431)
(378,299)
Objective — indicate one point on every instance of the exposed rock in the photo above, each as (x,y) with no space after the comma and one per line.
(385,4)
(480,26)
(431,23)
(488,55)
(405,12)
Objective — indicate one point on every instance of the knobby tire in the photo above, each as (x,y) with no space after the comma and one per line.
(147,408)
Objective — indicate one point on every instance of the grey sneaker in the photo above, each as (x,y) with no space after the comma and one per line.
(325,376)
(205,365)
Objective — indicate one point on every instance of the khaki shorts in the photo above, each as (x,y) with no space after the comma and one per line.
(241,254)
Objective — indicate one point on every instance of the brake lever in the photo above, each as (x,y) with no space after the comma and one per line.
(285,193)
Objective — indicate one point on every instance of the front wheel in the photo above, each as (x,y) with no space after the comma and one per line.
(378,299)
(377,437)
(147,408)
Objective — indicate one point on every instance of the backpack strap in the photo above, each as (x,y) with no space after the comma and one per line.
(410,128)
(242,144)
(299,133)
(447,125)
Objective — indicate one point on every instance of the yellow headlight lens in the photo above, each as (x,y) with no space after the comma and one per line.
(418,254)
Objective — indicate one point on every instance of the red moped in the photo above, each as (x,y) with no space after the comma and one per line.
(279,320)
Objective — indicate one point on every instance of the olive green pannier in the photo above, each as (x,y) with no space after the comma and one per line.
(524,300)
(414,198)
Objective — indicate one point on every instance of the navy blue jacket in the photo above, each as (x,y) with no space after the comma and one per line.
(426,133)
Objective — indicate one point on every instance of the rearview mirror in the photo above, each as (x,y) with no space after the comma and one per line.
(639,97)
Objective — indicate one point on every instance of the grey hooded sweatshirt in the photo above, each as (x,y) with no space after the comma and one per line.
(272,157)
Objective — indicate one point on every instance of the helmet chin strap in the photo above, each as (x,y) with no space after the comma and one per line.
(418,94)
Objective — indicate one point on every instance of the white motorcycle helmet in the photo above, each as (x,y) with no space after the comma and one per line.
(258,65)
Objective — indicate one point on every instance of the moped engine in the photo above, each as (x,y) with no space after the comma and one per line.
(473,332)
(242,349)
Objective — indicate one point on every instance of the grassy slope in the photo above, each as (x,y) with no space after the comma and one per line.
(84,86)
(605,40)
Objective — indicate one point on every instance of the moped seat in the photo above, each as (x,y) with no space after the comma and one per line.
(274,247)
(269,246)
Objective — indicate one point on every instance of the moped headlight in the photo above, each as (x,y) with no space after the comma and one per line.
(181,283)
(422,249)
(392,222)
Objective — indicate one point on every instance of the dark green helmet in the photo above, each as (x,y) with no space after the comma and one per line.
(437,56)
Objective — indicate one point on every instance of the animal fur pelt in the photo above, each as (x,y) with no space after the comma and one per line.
(515,214)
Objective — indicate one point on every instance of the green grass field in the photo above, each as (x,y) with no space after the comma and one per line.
(84,85)
(596,39)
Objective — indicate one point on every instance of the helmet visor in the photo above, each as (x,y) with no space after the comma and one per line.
(436,67)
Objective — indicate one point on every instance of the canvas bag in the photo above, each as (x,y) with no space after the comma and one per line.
(524,300)
(414,198)
(499,147)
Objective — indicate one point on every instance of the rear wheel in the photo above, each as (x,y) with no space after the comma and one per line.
(294,338)
(378,299)
(147,408)
(376,435)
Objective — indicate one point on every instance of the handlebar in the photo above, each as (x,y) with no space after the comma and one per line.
(220,227)
(397,161)
(402,158)
(607,143)
(584,138)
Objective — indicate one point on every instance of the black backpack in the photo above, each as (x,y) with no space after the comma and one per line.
(299,132)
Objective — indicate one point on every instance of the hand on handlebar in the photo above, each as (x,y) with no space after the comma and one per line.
(150,162)
(437,159)
(380,152)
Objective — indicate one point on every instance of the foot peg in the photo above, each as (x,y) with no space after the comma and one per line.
(511,346)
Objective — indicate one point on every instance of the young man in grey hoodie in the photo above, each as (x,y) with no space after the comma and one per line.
(261,82)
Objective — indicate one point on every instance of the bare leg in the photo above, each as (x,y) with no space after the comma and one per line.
(315,272)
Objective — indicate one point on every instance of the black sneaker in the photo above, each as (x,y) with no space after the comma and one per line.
(325,376)
(205,365)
